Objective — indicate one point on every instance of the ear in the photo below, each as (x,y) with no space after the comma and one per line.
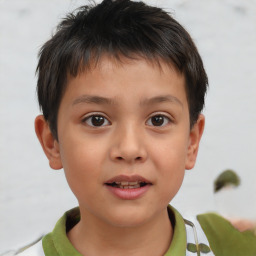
(49,144)
(194,139)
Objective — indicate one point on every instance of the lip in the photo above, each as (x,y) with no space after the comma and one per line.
(131,193)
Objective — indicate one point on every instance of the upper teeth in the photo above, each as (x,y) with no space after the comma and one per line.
(127,183)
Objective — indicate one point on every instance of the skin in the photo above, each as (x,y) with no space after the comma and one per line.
(127,143)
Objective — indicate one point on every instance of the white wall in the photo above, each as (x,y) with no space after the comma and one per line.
(33,197)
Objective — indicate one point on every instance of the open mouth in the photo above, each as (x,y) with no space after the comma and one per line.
(127,184)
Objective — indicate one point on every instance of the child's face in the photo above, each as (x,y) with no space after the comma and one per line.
(125,123)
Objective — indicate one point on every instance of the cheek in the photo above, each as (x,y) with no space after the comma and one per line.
(172,171)
(169,161)
(78,152)
(170,156)
(81,163)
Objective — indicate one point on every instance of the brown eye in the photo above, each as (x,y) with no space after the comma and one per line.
(96,121)
(158,120)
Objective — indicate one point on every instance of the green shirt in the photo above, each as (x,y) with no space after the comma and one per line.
(224,239)
(56,243)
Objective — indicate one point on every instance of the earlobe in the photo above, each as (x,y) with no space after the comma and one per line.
(49,144)
(194,140)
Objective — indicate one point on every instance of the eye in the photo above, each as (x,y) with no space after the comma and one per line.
(158,120)
(96,120)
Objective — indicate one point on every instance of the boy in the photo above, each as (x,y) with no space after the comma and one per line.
(121,86)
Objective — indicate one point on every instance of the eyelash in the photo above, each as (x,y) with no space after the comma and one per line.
(88,120)
(166,120)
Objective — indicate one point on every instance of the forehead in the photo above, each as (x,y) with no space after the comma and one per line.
(109,72)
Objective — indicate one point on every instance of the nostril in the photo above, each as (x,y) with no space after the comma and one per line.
(139,158)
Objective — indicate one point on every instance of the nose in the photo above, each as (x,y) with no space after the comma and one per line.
(128,146)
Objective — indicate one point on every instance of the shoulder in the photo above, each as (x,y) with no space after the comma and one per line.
(224,239)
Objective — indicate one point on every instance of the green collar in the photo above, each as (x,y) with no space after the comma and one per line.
(56,243)
(179,240)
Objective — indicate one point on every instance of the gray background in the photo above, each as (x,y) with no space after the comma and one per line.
(33,197)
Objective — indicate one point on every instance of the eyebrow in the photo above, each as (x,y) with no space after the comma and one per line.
(160,99)
(91,99)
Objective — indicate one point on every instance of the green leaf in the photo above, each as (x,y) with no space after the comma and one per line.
(204,248)
(228,177)
(224,239)
(191,247)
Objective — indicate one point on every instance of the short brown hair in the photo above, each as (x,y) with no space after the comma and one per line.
(118,28)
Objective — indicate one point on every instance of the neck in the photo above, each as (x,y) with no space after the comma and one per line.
(94,237)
